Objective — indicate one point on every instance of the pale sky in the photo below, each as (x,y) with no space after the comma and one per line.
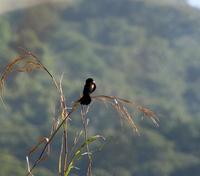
(195,3)
(7,5)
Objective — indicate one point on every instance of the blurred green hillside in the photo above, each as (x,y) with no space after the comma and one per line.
(146,51)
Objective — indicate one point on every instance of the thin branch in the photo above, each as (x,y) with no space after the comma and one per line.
(50,139)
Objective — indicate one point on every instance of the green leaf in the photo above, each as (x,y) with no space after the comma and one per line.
(78,153)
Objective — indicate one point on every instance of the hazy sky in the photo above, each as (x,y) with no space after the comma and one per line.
(195,3)
(6,5)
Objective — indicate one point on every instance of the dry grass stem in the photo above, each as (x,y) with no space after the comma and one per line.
(85,122)
(120,105)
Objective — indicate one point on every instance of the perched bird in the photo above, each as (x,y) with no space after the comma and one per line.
(89,87)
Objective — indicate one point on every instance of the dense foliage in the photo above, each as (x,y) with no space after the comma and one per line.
(141,50)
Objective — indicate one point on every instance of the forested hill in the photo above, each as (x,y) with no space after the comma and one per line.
(144,50)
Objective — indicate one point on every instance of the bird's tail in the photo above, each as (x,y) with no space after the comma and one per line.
(85,99)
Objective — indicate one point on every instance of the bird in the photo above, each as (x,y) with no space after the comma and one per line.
(89,88)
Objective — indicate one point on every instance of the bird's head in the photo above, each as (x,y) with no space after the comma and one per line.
(89,81)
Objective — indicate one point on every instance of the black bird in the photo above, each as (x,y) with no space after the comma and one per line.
(89,87)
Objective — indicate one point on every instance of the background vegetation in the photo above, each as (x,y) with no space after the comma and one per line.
(144,50)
